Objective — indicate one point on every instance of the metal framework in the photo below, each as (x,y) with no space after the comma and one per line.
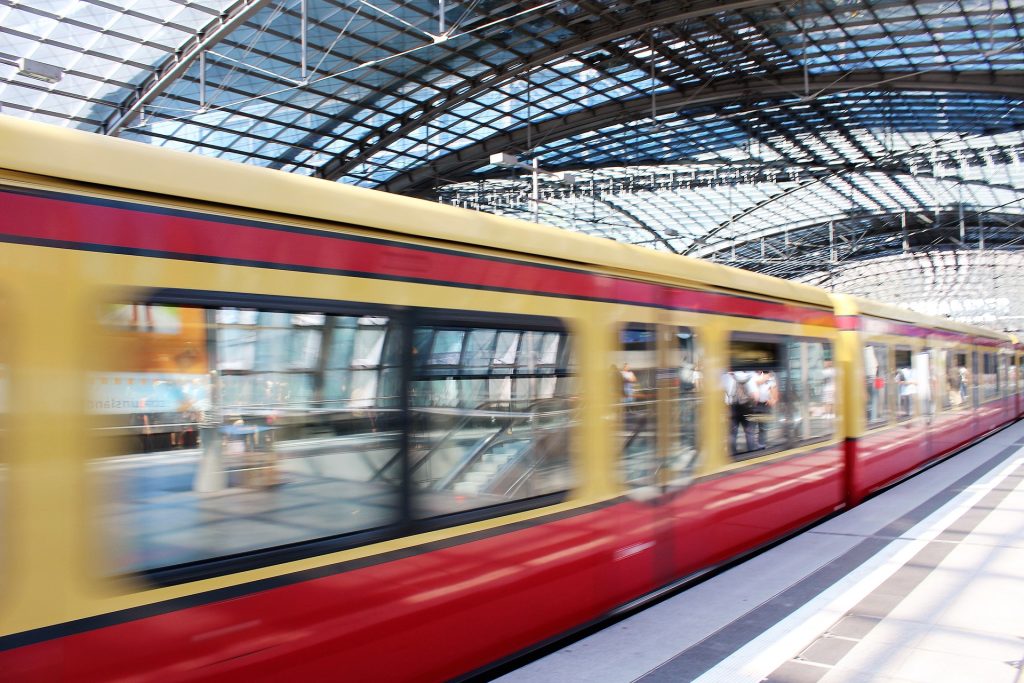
(795,138)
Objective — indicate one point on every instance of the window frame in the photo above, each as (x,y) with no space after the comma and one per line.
(887,405)
(404,321)
(896,410)
(469,321)
(655,454)
(790,397)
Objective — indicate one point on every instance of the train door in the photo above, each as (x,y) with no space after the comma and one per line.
(975,381)
(659,375)
(945,398)
(910,382)
(923,378)
(680,384)
(636,564)
(680,521)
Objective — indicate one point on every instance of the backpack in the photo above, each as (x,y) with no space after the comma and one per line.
(741,394)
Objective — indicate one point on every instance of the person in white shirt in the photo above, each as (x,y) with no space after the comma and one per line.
(907,390)
(740,395)
(766,394)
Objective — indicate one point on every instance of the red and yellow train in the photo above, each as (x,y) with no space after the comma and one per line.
(258,426)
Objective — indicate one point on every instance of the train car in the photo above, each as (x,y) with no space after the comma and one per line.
(927,387)
(258,426)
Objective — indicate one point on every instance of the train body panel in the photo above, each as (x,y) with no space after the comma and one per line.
(277,427)
(425,616)
(889,454)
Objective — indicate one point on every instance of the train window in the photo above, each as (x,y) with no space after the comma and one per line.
(491,413)
(635,376)
(817,391)
(958,376)
(231,430)
(942,391)
(976,377)
(876,376)
(757,385)
(989,377)
(905,381)
(927,380)
(685,377)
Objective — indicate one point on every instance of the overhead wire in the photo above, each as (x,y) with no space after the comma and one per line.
(357,67)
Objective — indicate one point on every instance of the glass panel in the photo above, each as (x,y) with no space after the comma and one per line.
(906,383)
(944,373)
(480,350)
(225,432)
(989,377)
(959,376)
(755,385)
(876,373)
(685,364)
(821,390)
(447,348)
(793,392)
(491,414)
(635,375)
(976,371)
(925,384)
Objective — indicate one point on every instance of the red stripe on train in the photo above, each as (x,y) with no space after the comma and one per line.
(88,224)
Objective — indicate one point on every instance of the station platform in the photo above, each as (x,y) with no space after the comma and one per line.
(921,583)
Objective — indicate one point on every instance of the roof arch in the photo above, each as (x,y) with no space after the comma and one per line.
(694,125)
(721,102)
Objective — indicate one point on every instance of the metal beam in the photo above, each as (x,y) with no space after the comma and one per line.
(178,63)
(785,85)
(601,32)
(822,177)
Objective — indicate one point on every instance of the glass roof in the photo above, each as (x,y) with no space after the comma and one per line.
(721,130)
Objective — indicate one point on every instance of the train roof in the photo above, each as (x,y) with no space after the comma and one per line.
(851,305)
(71,155)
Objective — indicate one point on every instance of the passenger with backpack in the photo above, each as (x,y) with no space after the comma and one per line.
(740,397)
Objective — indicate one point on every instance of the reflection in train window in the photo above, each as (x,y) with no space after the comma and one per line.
(754,386)
(817,394)
(958,380)
(634,374)
(905,383)
(491,414)
(230,430)
(989,377)
(780,392)
(945,387)
(876,377)
(686,379)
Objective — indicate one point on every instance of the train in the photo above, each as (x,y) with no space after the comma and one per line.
(257,426)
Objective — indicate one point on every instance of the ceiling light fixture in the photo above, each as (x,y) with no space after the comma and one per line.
(47,73)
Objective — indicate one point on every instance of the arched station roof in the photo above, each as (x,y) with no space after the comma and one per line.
(802,139)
